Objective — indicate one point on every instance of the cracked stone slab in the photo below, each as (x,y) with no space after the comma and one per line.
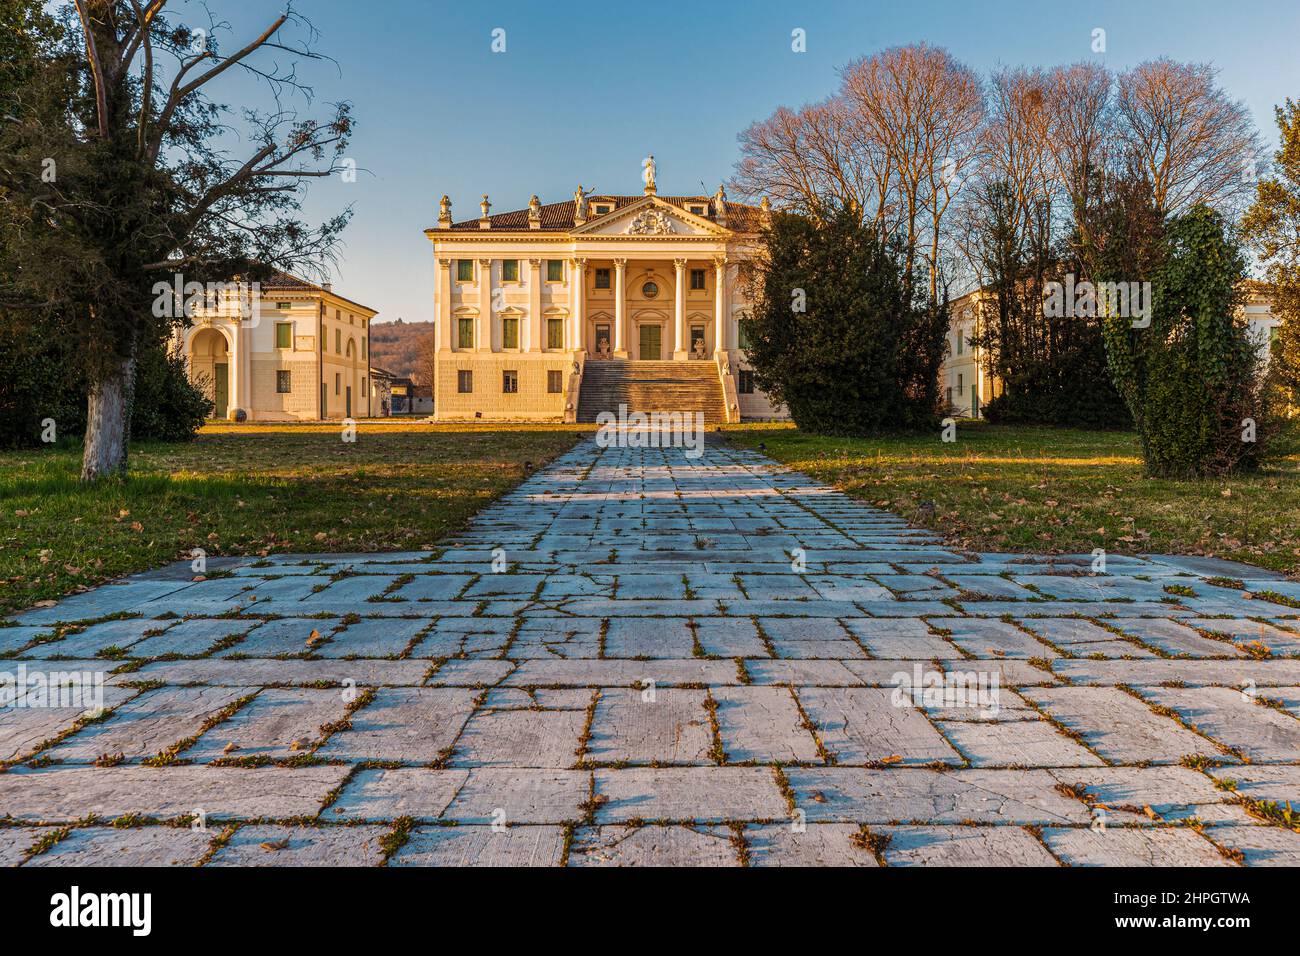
(267,673)
(1172,793)
(862,725)
(762,724)
(138,846)
(520,796)
(66,794)
(700,794)
(24,729)
(1261,845)
(482,846)
(410,724)
(652,845)
(820,844)
(387,794)
(1021,743)
(521,738)
(662,725)
(149,724)
(1234,718)
(1267,673)
(1279,785)
(1118,846)
(963,846)
(598,673)
(16,841)
(269,845)
(1119,727)
(271,724)
(847,794)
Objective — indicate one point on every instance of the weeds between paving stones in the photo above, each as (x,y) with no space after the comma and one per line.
(396,838)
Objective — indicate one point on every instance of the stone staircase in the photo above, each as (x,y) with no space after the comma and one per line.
(651,387)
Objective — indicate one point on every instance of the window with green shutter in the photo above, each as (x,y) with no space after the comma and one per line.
(510,333)
(555,333)
(554,270)
(509,270)
(465,333)
(464,270)
(284,335)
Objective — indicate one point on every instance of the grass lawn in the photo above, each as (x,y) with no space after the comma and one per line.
(1006,488)
(251,490)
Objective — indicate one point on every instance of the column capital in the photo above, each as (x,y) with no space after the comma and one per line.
(485,262)
(535,262)
(620,264)
(680,264)
(444,262)
(720,261)
(579,262)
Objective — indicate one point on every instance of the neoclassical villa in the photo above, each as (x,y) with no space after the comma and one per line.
(562,310)
(303,353)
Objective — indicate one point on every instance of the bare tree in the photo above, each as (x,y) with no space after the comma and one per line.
(922,110)
(1182,131)
(1079,133)
(145,186)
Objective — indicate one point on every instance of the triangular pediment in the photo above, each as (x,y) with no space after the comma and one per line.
(649,218)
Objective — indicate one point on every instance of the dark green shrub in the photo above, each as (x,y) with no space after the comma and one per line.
(836,332)
(1193,378)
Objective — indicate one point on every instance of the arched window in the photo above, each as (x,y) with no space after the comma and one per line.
(351,349)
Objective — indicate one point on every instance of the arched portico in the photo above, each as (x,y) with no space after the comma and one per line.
(210,355)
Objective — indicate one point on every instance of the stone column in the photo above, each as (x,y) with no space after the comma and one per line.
(446,330)
(620,308)
(578,292)
(486,327)
(680,354)
(720,304)
(536,330)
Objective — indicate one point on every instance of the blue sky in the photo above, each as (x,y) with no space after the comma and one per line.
(586,89)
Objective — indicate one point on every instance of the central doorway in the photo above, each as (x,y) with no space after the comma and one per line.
(650,336)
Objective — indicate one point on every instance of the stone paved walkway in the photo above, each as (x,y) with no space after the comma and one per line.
(680,661)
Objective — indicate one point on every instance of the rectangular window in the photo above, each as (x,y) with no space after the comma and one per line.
(555,333)
(697,278)
(949,394)
(365,347)
(363,386)
(464,333)
(284,305)
(283,382)
(510,333)
(464,270)
(509,382)
(601,208)
(699,210)
(554,382)
(959,382)
(464,382)
(284,335)
(338,382)
(742,337)
(338,341)
(554,270)
(602,278)
(960,340)
(509,270)
(745,382)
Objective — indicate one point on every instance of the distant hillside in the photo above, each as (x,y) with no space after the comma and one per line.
(396,346)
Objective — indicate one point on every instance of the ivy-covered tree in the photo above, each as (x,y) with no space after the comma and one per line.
(1191,377)
(116,171)
(1272,227)
(834,332)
